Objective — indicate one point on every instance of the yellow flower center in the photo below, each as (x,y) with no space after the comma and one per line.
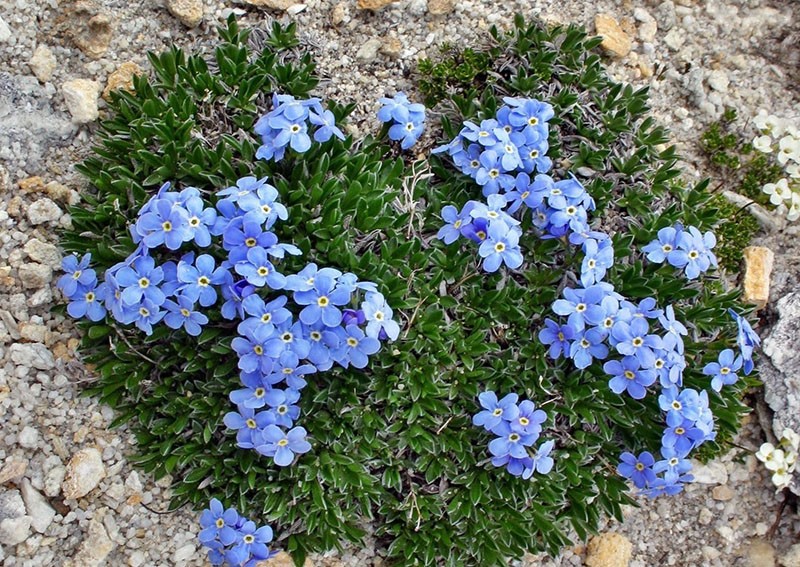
(637,342)
(251,423)
(323,301)
(167,226)
(283,442)
(250,242)
(90,296)
(266,317)
(220,522)
(263,271)
(194,221)
(185,312)
(629,375)
(203,281)
(523,421)
(258,349)
(499,247)
(144,283)
(352,342)
(259,393)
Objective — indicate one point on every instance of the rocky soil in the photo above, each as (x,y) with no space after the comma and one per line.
(68,496)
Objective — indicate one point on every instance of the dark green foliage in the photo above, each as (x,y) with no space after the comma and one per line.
(394,445)
(457,69)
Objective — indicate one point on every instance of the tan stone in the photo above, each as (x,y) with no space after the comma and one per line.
(609,550)
(615,40)
(122,78)
(94,548)
(441,7)
(723,493)
(43,63)
(282,559)
(31,184)
(338,14)
(60,192)
(758,262)
(85,470)
(645,69)
(189,12)
(374,4)
(91,30)
(761,553)
(81,98)
(13,469)
(392,47)
(273,4)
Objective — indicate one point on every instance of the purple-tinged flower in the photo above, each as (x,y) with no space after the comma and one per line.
(723,372)
(167,224)
(283,446)
(325,122)
(253,356)
(263,316)
(627,375)
(251,544)
(632,339)
(234,294)
(639,469)
(88,302)
(599,257)
(140,281)
(510,442)
(495,411)
(530,420)
(747,340)
(77,273)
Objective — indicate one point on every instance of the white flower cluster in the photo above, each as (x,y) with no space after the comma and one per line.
(781,460)
(783,138)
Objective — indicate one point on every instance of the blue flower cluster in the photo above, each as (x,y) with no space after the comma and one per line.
(231,539)
(290,124)
(500,155)
(686,249)
(517,428)
(746,339)
(407,119)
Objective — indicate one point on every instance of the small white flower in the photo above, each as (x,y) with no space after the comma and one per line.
(790,439)
(778,192)
(769,123)
(781,479)
(788,149)
(791,461)
(794,208)
(763,144)
(776,461)
(793,170)
(765,452)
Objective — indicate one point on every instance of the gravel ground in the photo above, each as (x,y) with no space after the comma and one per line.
(696,56)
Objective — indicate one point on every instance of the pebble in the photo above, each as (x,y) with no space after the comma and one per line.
(338,14)
(369,50)
(39,510)
(441,7)
(54,475)
(35,276)
(5,31)
(609,549)
(34,355)
(710,553)
(188,12)
(42,252)
(14,524)
(674,39)
(13,469)
(81,98)
(723,493)
(94,548)
(122,78)
(615,41)
(184,553)
(28,437)
(761,553)
(84,472)
(272,4)
(43,63)
(712,472)
(281,559)
(42,211)
(136,559)
(792,557)
(647,25)
(91,30)
(719,81)
(374,4)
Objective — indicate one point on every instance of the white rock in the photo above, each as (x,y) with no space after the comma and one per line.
(13,469)
(792,557)
(35,276)
(674,39)
(710,553)
(11,505)
(14,530)
(43,252)
(713,472)
(85,470)
(40,512)
(369,51)
(43,210)
(719,81)
(136,559)
(43,63)
(28,437)
(81,97)
(189,12)
(647,24)
(34,355)
(5,31)
(94,548)
(184,553)
(54,476)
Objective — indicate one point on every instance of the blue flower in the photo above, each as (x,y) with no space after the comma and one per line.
(288,368)
(218,523)
(510,442)
(321,302)
(139,281)
(666,247)
(263,316)
(282,406)
(378,316)
(542,462)
(599,257)
(507,150)
(87,302)
(680,405)
(483,134)
(529,420)
(244,186)
(304,279)
(283,446)
(696,250)
(514,466)
(491,175)
(355,348)
(450,232)
(500,247)
(254,393)
(258,270)
(234,294)
(146,315)
(407,119)
(723,372)
(637,469)
(582,306)
(248,424)
(76,273)
(407,132)
(198,280)
(182,314)
(326,126)
(251,544)
(585,349)
(293,133)
(675,328)
(495,411)
(241,236)
(627,375)
(262,205)
(747,340)
(683,437)
(253,354)
(200,220)
(323,343)
(288,335)
(528,112)
(673,462)
(167,224)
(632,339)
(558,337)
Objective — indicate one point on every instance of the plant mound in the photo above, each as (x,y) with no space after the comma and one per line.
(393,445)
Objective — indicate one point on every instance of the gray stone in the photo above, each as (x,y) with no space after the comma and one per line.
(5,31)
(369,51)
(34,355)
(712,472)
(11,504)
(35,276)
(14,530)
(43,210)
(28,437)
(94,548)
(792,557)
(43,252)
(39,510)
